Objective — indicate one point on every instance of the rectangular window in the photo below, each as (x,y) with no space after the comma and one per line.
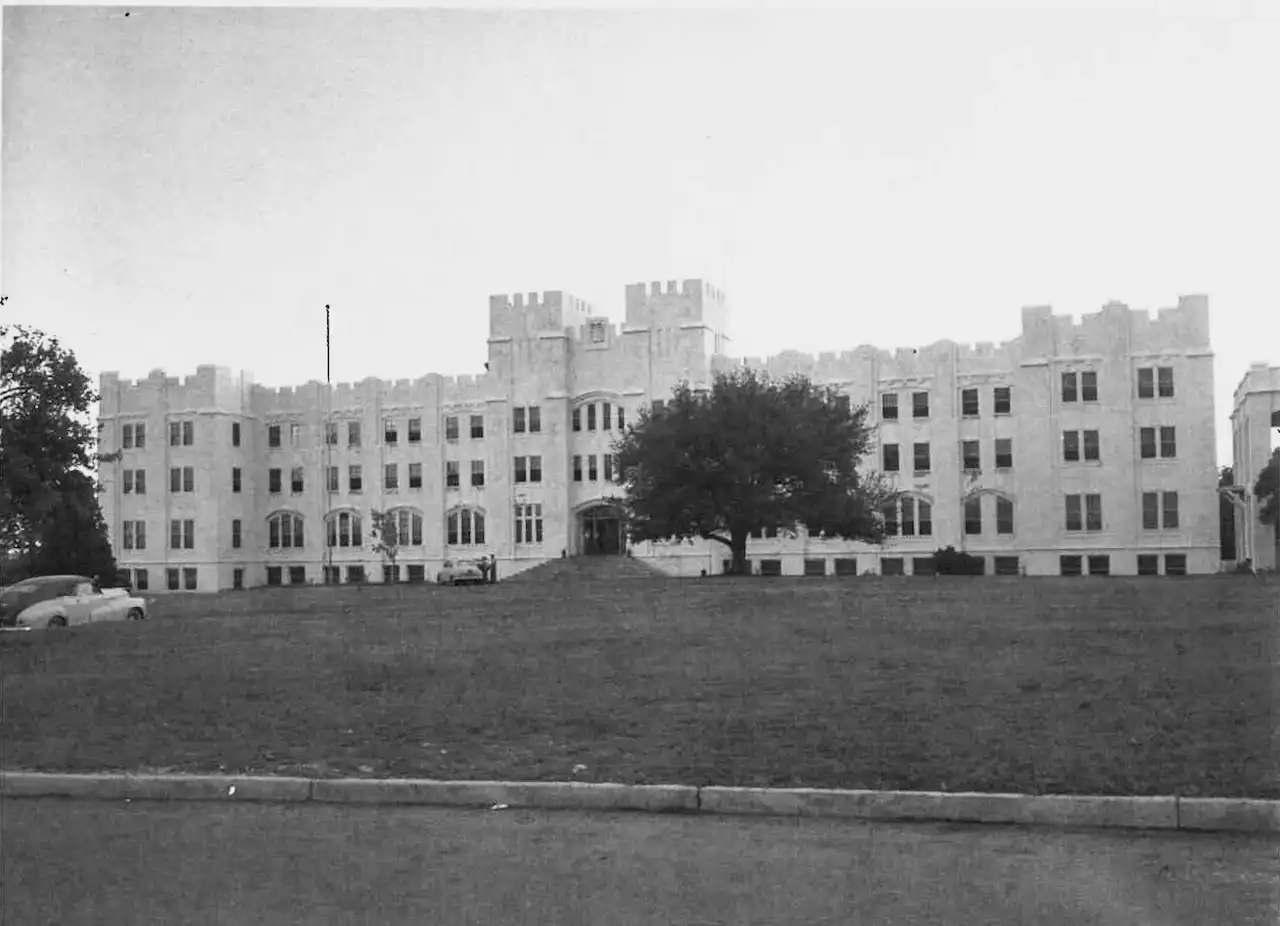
(452,479)
(770,567)
(1100,564)
(592,474)
(1089,386)
(139,535)
(140,580)
(188,433)
(528,523)
(188,535)
(969,403)
(1004,515)
(605,412)
(355,479)
(237,578)
(417,573)
(353,434)
(140,437)
(1071,565)
(925,511)
(451,427)
(1092,450)
(535,469)
(235,533)
(415,430)
(355,574)
(477,427)
(815,567)
(273,480)
(477,472)
(1004,453)
(1071,446)
(890,458)
(415,475)
(971,454)
(1175,564)
(126,485)
(535,419)
(923,566)
(1093,512)
(175,479)
(920,457)
(1147,442)
(1003,400)
(907,524)
(175,535)
(188,479)
(390,434)
(273,435)
(1150,511)
(126,539)
(175,433)
(577,419)
(331,478)
(1007,566)
(845,565)
(517,420)
(295,435)
(1169,506)
(1075,521)
(522,469)
(331,433)
(297,575)
(577,467)
(1168,443)
(1165,378)
(889,406)
(391,476)
(1069,393)
(919,405)
(171,577)
(1146,383)
(973,515)
(126,437)
(235,434)
(235,479)
(892,566)
(1148,564)
(296,480)
(591,417)
(274,574)
(140,482)
(608,467)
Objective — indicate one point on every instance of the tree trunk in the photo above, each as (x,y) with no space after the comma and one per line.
(738,546)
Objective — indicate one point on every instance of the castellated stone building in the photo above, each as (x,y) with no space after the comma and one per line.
(1076,448)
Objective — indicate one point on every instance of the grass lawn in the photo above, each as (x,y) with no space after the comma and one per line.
(1107,686)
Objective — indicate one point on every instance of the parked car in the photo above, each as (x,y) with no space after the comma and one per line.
(64,601)
(458,572)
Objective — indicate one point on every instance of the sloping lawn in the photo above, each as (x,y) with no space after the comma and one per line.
(1106,686)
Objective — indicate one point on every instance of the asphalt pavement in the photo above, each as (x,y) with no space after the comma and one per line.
(98,863)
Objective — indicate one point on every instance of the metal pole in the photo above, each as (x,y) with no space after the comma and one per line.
(328,453)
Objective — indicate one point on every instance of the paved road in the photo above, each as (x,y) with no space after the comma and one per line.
(99,864)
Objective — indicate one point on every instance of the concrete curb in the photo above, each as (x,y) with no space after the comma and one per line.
(1166,813)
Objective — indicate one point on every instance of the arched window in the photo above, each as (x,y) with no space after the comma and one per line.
(973,514)
(408,527)
(284,531)
(465,527)
(344,529)
(908,516)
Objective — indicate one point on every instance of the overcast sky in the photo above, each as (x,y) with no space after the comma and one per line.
(192,186)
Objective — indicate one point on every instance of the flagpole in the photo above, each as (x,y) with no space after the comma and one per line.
(328,453)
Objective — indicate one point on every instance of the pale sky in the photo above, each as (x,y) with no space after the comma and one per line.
(187,186)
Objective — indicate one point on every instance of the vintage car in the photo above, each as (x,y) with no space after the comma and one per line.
(459,572)
(64,601)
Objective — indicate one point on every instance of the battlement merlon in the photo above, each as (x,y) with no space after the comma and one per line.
(212,387)
(522,317)
(651,305)
(1183,327)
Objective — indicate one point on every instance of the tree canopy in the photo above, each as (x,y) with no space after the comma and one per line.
(748,454)
(49,513)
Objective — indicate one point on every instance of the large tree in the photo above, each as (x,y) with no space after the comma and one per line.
(46,452)
(748,454)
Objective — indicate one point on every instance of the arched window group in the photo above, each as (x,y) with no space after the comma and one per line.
(408,527)
(464,527)
(973,520)
(345,529)
(908,516)
(284,531)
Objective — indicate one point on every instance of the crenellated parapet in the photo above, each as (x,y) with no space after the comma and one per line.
(211,388)
(1117,330)
(519,316)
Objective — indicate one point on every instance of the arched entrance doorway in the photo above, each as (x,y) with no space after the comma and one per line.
(600,530)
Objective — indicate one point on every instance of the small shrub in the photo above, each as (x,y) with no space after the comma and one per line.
(952,562)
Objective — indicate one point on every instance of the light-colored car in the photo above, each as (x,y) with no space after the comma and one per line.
(65,601)
(459,572)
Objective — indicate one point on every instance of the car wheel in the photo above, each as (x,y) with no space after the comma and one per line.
(57,621)
(135,614)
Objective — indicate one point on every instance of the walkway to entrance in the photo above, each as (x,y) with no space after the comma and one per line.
(601,530)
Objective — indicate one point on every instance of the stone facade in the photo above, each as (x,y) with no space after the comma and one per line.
(553,353)
(1255,413)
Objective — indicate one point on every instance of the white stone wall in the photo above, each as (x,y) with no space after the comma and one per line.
(554,351)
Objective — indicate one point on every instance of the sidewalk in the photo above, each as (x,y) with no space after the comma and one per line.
(1167,813)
